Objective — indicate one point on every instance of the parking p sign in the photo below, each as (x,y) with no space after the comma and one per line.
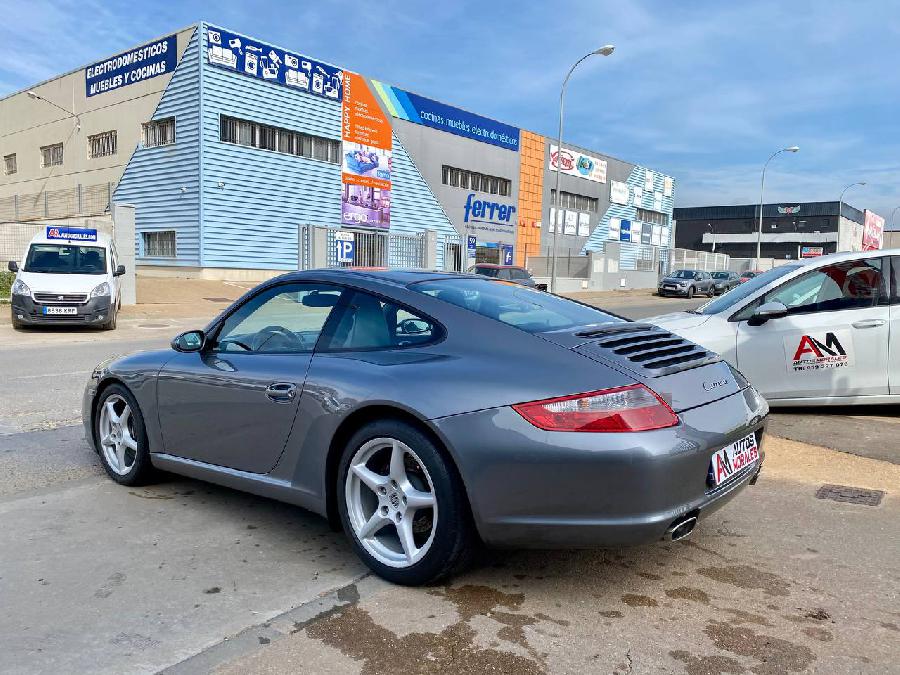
(345,247)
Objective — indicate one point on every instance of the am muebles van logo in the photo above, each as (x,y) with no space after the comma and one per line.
(820,352)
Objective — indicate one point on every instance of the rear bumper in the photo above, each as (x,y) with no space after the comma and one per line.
(27,311)
(535,489)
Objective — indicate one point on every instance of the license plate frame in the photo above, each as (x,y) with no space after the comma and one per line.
(725,463)
(60,311)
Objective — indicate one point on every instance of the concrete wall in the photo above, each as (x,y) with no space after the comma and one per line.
(28,124)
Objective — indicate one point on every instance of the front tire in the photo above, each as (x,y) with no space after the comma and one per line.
(403,506)
(111,324)
(690,293)
(120,437)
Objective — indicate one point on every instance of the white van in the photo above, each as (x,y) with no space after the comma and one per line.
(68,275)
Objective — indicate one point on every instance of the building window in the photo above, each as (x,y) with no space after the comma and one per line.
(575,202)
(158,132)
(102,145)
(52,155)
(654,217)
(159,244)
(478,182)
(9,164)
(276,139)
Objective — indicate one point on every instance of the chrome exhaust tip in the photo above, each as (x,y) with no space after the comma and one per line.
(682,528)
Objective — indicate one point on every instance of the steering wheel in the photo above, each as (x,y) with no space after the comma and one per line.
(276,338)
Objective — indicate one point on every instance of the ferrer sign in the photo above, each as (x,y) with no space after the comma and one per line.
(142,63)
(574,163)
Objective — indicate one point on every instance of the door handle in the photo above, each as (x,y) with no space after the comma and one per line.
(281,392)
(868,323)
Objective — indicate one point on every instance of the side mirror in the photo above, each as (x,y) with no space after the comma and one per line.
(120,270)
(767,311)
(12,266)
(698,276)
(189,341)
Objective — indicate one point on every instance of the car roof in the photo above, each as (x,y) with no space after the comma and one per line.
(103,239)
(399,277)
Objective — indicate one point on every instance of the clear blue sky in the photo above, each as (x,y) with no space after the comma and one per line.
(704,91)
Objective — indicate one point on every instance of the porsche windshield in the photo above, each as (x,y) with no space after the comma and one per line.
(65,259)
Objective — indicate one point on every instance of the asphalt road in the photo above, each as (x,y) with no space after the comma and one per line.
(194,578)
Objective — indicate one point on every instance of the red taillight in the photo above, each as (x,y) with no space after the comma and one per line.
(632,408)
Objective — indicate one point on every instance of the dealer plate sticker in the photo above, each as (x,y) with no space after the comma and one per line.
(60,310)
(732,458)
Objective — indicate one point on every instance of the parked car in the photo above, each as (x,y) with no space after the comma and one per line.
(513,273)
(68,275)
(818,331)
(724,281)
(425,412)
(687,283)
(750,274)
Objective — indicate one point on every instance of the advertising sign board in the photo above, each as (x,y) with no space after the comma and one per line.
(574,163)
(136,65)
(873,232)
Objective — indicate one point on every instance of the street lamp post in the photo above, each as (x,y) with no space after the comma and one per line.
(606,50)
(762,188)
(841,201)
(37,97)
(892,216)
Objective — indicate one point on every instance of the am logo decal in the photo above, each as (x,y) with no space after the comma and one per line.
(819,351)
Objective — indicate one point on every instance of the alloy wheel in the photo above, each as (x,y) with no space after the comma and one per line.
(391,503)
(117,435)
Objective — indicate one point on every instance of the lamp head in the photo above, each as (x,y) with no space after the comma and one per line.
(605,50)
(793,148)
(31,94)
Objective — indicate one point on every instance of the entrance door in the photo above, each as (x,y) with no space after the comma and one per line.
(233,404)
(834,340)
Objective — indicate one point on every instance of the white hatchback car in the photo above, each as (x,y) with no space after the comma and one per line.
(822,331)
(68,275)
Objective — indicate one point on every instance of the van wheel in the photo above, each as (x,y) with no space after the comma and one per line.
(403,505)
(111,324)
(690,293)
(16,324)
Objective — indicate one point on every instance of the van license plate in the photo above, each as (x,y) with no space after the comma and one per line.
(60,310)
(732,458)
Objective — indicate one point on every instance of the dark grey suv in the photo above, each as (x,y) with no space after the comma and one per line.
(687,283)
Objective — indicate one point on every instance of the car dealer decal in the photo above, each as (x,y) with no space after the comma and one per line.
(819,351)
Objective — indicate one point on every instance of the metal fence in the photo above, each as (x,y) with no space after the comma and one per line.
(81,200)
(371,248)
(567,266)
(453,254)
(683,258)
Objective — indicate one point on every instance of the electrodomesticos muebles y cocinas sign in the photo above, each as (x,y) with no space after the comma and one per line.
(136,65)
(414,108)
(366,157)
(264,62)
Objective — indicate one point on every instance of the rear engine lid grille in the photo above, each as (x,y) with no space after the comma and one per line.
(60,297)
(648,348)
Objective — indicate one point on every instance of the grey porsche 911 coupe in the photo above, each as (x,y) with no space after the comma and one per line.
(427,413)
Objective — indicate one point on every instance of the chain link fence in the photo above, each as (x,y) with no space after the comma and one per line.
(78,201)
(705,261)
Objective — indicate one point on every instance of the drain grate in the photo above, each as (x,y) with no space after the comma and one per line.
(218,299)
(850,495)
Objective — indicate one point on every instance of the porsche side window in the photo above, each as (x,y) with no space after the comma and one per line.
(368,322)
(280,320)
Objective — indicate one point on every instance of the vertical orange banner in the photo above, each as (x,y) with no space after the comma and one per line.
(366,157)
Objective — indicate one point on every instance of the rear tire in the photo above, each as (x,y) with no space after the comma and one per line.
(120,437)
(386,468)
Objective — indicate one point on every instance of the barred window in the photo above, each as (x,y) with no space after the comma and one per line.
(570,200)
(102,145)
(52,155)
(159,244)
(276,139)
(9,164)
(654,217)
(478,182)
(158,132)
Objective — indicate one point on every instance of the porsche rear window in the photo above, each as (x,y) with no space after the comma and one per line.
(525,308)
